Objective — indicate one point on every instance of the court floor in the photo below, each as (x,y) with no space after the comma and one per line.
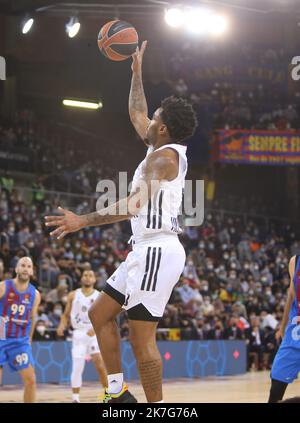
(250,387)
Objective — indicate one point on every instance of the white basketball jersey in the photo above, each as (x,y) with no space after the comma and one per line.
(160,214)
(80,307)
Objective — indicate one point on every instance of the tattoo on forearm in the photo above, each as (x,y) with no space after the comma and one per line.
(137,99)
(94,219)
(151,376)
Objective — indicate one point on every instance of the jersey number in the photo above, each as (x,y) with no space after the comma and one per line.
(296,330)
(22,359)
(15,308)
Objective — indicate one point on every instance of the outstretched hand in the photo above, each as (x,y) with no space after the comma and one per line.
(68,222)
(137,58)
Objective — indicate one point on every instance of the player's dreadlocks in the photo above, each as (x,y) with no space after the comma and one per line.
(179,117)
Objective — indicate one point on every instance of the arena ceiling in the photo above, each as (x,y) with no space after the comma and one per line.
(137,7)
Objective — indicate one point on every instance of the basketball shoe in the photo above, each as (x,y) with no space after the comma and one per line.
(123,396)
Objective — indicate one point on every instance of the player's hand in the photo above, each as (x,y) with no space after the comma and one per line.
(60,331)
(137,58)
(91,332)
(68,222)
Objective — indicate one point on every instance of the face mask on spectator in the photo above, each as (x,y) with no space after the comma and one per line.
(30,244)
(211,246)
(201,245)
(39,231)
(256,267)
(11,230)
(19,219)
(205,288)
(77,245)
(233,266)
(226,256)
(41,329)
(210,266)
(246,266)
(58,312)
(4,217)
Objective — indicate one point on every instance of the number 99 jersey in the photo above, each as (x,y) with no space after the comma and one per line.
(15,323)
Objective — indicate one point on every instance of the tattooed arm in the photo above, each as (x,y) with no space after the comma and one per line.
(160,165)
(138,109)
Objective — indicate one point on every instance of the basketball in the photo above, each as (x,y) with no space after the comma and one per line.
(117,40)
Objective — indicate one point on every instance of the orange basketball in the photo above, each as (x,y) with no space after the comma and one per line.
(117,40)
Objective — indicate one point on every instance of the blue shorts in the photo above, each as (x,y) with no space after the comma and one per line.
(286,365)
(17,353)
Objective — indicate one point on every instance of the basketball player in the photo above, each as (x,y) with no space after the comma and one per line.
(286,365)
(84,338)
(19,301)
(143,283)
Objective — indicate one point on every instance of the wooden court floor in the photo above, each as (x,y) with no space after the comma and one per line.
(251,387)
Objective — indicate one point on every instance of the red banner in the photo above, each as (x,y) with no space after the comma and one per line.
(259,147)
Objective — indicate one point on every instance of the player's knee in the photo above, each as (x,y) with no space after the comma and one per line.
(29,380)
(140,345)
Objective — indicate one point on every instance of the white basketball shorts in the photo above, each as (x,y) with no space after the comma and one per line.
(84,345)
(143,283)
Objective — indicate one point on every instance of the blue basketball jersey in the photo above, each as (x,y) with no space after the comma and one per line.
(15,311)
(292,333)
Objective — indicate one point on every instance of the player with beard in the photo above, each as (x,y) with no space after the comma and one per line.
(84,338)
(19,301)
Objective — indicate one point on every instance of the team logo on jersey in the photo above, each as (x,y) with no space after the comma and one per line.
(84,309)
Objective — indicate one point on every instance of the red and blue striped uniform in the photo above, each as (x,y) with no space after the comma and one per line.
(286,365)
(15,324)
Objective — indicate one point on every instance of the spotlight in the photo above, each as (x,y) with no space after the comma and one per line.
(218,25)
(82,104)
(73,27)
(174,17)
(197,20)
(27,24)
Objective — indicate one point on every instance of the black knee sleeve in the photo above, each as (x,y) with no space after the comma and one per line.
(277,391)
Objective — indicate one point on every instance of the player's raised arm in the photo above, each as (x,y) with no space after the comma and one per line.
(138,109)
(34,312)
(290,299)
(65,318)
